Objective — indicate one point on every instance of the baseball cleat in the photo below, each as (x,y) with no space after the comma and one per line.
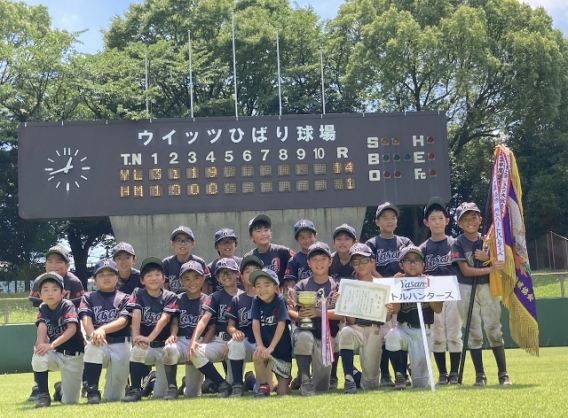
(263,391)
(307,387)
(237,390)
(333,382)
(93,395)
(480,380)
(34,396)
(57,395)
(350,387)
(386,382)
(400,382)
(43,400)
(443,380)
(134,395)
(171,393)
(504,379)
(224,390)
(453,379)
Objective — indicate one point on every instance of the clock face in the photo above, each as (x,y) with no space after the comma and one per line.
(67,169)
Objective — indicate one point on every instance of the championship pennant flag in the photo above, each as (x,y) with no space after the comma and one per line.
(326,339)
(506,241)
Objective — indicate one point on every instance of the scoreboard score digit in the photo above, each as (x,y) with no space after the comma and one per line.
(81,169)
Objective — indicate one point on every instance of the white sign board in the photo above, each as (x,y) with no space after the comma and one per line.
(365,300)
(421,289)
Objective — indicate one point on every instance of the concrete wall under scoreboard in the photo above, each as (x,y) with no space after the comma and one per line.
(150,235)
(17,341)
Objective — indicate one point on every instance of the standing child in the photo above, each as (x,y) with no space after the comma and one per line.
(59,344)
(305,235)
(308,344)
(183,326)
(406,335)
(151,308)
(203,355)
(105,320)
(226,243)
(183,243)
(437,252)
(344,237)
(469,255)
(125,258)
(270,318)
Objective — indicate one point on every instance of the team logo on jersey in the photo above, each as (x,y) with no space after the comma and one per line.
(434,262)
(304,273)
(387,257)
(54,330)
(244,317)
(269,320)
(175,283)
(188,320)
(104,316)
(470,258)
(150,318)
(221,316)
(275,265)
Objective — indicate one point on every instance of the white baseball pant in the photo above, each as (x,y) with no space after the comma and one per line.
(212,352)
(446,330)
(306,344)
(152,356)
(369,342)
(178,353)
(71,368)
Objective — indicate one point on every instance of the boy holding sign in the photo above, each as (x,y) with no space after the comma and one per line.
(406,336)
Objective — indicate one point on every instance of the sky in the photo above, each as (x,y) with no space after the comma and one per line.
(94,15)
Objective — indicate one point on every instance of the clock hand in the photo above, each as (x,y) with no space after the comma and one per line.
(64,169)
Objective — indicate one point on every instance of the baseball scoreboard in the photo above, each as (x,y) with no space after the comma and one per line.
(83,169)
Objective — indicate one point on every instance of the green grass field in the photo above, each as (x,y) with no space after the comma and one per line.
(539,390)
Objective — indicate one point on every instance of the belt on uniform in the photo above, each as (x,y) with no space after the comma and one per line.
(117,340)
(157,344)
(187,337)
(416,326)
(71,353)
(369,324)
(225,336)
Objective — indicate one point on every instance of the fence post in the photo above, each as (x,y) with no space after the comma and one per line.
(562,291)
(6,311)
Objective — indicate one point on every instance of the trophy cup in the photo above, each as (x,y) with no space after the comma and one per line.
(306,299)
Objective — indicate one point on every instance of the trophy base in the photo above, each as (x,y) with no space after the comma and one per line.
(306,326)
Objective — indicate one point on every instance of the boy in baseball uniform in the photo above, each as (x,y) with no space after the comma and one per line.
(59,344)
(125,258)
(203,355)
(344,237)
(105,320)
(368,337)
(183,326)
(406,336)
(226,243)
(270,318)
(151,308)
(305,235)
(314,376)
(446,332)
(183,243)
(469,255)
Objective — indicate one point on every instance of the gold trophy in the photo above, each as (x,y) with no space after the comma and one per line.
(306,299)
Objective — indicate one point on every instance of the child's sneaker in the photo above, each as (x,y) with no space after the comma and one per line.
(307,387)
(134,395)
(237,390)
(93,395)
(504,379)
(57,395)
(263,391)
(453,379)
(43,400)
(443,380)
(386,382)
(400,382)
(350,387)
(224,390)
(480,380)
(172,393)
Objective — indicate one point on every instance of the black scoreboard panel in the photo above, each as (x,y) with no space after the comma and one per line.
(82,169)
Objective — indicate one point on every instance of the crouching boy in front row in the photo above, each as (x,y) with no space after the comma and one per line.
(59,344)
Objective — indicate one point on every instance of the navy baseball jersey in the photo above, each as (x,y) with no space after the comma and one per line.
(73,287)
(276,259)
(128,285)
(464,250)
(212,278)
(269,315)
(387,253)
(239,311)
(189,314)
(339,271)
(409,313)
(104,308)
(217,304)
(57,321)
(298,266)
(152,309)
(329,289)
(438,257)
(172,267)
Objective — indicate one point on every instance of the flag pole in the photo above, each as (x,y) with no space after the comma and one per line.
(322,83)
(279,81)
(146,82)
(235,67)
(190,74)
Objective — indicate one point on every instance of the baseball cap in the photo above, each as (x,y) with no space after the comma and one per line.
(182,230)
(466,207)
(385,206)
(123,246)
(349,230)
(360,249)
(191,265)
(320,247)
(259,218)
(53,276)
(303,224)
(226,263)
(58,249)
(224,233)
(251,259)
(435,201)
(290,277)
(264,273)
(411,249)
(105,263)
(152,260)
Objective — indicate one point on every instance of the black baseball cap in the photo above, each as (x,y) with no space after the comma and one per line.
(224,233)
(435,201)
(251,259)
(182,230)
(152,260)
(360,249)
(385,206)
(123,246)
(259,218)
(319,247)
(105,263)
(58,249)
(349,230)
(411,249)
(51,276)
(191,265)
(226,263)
(290,277)
(466,207)
(264,273)
(303,224)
